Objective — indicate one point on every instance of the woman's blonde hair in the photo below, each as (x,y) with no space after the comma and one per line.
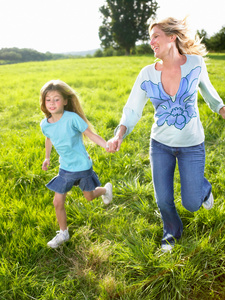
(73,103)
(185,44)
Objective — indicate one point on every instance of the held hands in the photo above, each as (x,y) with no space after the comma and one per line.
(46,164)
(114,144)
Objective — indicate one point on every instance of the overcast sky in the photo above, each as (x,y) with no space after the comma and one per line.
(72,25)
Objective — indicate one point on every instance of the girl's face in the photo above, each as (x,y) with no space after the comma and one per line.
(55,102)
(160,42)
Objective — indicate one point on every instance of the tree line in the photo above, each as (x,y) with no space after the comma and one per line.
(16,55)
(215,43)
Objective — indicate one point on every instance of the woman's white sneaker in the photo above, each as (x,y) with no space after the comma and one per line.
(167,247)
(208,204)
(107,198)
(61,237)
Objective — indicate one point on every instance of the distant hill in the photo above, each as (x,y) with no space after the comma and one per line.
(81,53)
(16,55)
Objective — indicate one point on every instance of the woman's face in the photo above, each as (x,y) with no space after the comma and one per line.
(160,42)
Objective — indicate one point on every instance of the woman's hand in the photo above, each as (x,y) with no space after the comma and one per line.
(222,112)
(114,144)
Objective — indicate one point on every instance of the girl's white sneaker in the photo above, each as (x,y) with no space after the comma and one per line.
(61,237)
(107,198)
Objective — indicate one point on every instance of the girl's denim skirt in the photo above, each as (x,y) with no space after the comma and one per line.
(65,180)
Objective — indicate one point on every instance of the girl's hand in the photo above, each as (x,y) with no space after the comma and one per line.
(46,164)
(114,144)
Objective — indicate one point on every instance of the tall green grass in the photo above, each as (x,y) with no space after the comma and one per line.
(114,251)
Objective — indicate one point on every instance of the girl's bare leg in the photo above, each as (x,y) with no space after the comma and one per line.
(60,211)
(99,191)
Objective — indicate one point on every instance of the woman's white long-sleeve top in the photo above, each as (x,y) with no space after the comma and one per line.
(177,122)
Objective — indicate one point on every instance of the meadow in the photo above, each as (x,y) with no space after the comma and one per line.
(114,251)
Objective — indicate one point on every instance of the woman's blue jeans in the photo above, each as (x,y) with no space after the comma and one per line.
(195,188)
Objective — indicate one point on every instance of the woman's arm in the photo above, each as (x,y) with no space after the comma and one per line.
(48,149)
(208,91)
(95,138)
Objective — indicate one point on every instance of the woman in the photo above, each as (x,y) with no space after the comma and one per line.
(172,84)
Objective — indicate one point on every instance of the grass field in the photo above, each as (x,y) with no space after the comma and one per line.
(114,251)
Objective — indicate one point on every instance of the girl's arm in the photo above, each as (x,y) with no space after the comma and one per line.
(48,149)
(95,138)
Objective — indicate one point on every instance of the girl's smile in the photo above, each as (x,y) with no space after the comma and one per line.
(55,103)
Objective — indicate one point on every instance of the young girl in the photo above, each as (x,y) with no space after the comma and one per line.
(63,127)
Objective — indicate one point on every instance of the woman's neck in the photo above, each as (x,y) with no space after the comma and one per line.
(172,60)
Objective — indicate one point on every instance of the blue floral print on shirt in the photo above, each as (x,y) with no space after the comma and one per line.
(178,110)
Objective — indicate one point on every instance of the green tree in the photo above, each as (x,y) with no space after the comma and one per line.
(98,53)
(143,49)
(125,22)
(214,43)
(217,41)
(204,37)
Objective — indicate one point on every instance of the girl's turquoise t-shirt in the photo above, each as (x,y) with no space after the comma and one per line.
(66,137)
